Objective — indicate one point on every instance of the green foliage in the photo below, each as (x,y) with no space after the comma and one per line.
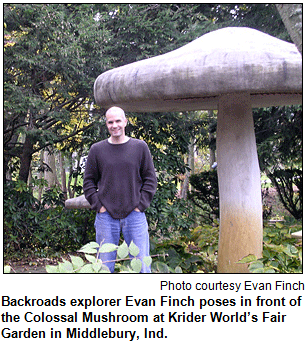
(206,193)
(263,17)
(168,214)
(279,136)
(177,254)
(205,237)
(289,184)
(92,264)
(195,252)
(48,75)
(144,30)
(281,252)
(42,227)
(54,53)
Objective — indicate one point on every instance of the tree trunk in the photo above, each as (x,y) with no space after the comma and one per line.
(63,175)
(239,184)
(78,159)
(25,159)
(185,186)
(41,174)
(212,157)
(292,17)
(70,192)
(50,171)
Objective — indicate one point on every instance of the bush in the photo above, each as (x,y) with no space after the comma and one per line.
(189,253)
(34,227)
(289,185)
(20,216)
(281,252)
(92,264)
(206,193)
(177,255)
(168,213)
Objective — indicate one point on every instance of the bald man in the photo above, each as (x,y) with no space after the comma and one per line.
(119,183)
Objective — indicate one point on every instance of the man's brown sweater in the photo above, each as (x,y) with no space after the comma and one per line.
(120,177)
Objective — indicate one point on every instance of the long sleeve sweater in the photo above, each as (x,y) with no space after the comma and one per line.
(120,177)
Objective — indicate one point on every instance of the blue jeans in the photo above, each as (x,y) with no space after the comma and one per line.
(134,227)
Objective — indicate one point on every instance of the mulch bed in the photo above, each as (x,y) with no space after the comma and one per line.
(31,266)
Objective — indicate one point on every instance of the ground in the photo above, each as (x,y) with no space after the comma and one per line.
(31,266)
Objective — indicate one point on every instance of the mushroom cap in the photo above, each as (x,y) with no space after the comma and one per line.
(192,77)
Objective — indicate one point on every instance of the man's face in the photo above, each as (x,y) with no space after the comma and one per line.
(116,123)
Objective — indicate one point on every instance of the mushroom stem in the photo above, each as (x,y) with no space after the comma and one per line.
(239,184)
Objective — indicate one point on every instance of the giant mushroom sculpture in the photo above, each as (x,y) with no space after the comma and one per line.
(232,70)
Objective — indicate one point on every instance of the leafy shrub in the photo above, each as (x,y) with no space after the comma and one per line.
(192,253)
(189,253)
(20,216)
(206,238)
(167,213)
(206,193)
(177,253)
(281,252)
(289,185)
(31,226)
(93,264)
